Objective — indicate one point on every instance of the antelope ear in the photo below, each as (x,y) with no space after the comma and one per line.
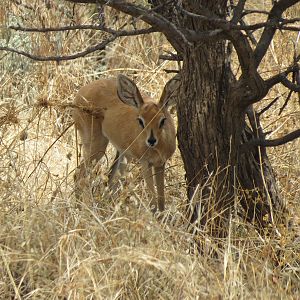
(170,92)
(128,92)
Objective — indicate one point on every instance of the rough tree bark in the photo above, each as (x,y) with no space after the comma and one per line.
(209,124)
(212,128)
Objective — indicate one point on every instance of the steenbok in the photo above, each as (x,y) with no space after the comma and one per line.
(113,110)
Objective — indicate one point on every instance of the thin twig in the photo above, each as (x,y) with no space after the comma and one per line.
(59,58)
(268,106)
(285,102)
(85,27)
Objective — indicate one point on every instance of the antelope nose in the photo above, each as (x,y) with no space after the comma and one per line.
(152,141)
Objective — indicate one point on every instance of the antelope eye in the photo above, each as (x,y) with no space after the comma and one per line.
(141,122)
(162,122)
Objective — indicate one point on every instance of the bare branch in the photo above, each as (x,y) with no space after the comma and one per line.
(272,143)
(282,77)
(267,24)
(285,102)
(206,16)
(84,27)
(238,11)
(238,39)
(274,18)
(290,85)
(290,28)
(261,141)
(171,57)
(171,71)
(253,117)
(268,106)
(227,26)
(249,33)
(55,29)
(251,84)
(59,58)
(174,35)
(254,11)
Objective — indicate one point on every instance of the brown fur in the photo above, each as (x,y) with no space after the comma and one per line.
(115,120)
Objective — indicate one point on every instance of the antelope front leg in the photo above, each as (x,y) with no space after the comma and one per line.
(159,173)
(119,164)
(148,176)
(114,168)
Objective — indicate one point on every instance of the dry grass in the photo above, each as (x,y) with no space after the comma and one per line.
(53,246)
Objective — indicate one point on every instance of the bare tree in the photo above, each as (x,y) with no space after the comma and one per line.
(224,155)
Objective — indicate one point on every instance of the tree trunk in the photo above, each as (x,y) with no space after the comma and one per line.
(210,133)
(259,196)
(212,129)
(209,125)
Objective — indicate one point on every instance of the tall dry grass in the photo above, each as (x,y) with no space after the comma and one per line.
(54,246)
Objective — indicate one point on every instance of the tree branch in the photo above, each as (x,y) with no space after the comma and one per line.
(290,85)
(240,42)
(174,35)
(254,11)
(249,33)
(251,85)
(281,77)
(84,27)
(59,58)
(228,26)
(272,143)
(290,28)
(171,57)
(268,106)
(285,102)
(274,18)
(238,11)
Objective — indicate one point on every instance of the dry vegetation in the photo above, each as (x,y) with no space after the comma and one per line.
(53,246)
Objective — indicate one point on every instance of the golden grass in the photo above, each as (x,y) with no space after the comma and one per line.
(53,246)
